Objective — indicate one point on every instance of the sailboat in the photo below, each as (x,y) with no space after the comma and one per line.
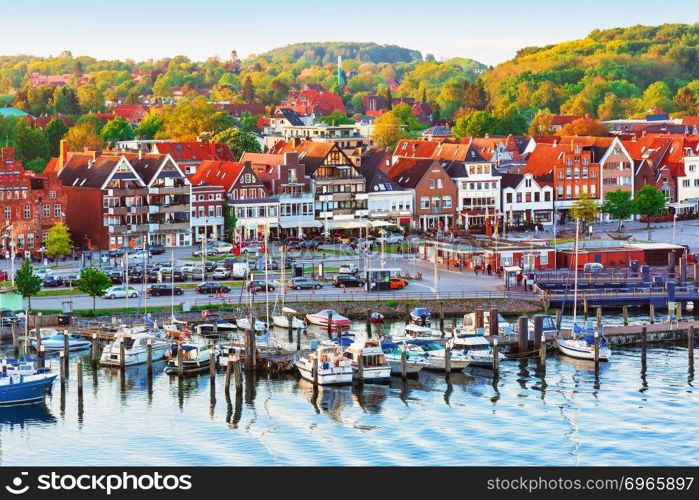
(282,320)
(581,345)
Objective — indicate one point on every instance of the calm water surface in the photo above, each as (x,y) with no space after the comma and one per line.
(567,417)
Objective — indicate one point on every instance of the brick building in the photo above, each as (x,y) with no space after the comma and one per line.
(29,206)
(207,212)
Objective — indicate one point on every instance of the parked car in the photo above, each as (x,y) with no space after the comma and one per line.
(71,279)
(140,255)
(303,244)
(398,283)
(391,238)
(240,270)
(340,280)
(120,292)
(221,246)
(163,289)
(43,272)
(260,285)
(117,277)
(251,249)
(188,268)
(136,276)
(593,267)
(198,274)
(207,250)
(348,269)
(120,252)
(221,273)
(212,287)
(52,281)
(156,249)
(304,283)
(8,317)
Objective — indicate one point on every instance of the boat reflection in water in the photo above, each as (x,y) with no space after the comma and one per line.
(326,399)
(26,414)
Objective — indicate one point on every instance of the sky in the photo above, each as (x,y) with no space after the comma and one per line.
(490,31)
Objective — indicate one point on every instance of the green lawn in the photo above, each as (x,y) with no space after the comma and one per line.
(57,292)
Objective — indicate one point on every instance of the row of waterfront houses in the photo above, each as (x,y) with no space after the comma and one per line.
(177,193)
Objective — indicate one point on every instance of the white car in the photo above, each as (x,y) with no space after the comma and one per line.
(43,272)
(140,255)
(348,269)
(221,273)
(221,246)
(119,292)
(253,249)
(391,238)
(189,268)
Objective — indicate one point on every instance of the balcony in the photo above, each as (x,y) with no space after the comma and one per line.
(117,229)
(128,192)
(173,190)
(173,226)
(117,210)
(168,209)
(138,209)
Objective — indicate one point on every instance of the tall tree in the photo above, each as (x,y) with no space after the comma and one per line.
(584,209)
(28,284)
(83,136)
(247,91)
(32,147)
(55,131)
(117,129)
(649,201)
(94,283)
(685,101)
(388,130)
(611,108)
(90,98)
(238,141)
(58,243)
(619,205)
(150,126)
(585,126)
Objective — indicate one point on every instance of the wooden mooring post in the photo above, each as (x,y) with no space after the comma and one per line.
(493,321)
(447,360)
(122,353)
(290,318)
(453,323)
(149,357)
(180,368)
(237,373)
(644,347)
(678,311)
(299,332)
(538,330)
(15,344)
(496,357)
(598,312)
(315,371)
(80,378)
(212,373)
(368,323)
(94,355)
(479,319)
(585,308)
(42,356)
(558,318)
(360,369)
(66,349)
(651,313)
(37,330)
(227,383)
(4,367)
(523,334)
(596,350)
(404,363)
(61,358)
(625,313)
(690,346)
(542,351)
(330,326)
(441,318)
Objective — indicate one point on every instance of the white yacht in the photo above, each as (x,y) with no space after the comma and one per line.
(195,358)
(436,355)
(333,367)
(135,348)
(478,350)
(374,366)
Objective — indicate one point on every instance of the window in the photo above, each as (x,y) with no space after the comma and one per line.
(431,183)
(424,202)
(593,190)
(537,197)
(685,183)
(46,211)
(218,211)
(559,192)
(52,195)
(696,182)
(30,240)
(544,259)
(547,196)
(27,211)
(569,173)
(211,210)
(508,198)
(57,210)
(584,173)
(8,213)
(519,197)
(528,183)
(439,184)
(447,201)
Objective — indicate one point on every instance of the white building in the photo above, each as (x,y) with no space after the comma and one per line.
(688,184)
(525,199)
(478,188)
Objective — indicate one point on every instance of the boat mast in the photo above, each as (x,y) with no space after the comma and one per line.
(172,285)
(144,288)
(575,275)
(266,256)
(126,286)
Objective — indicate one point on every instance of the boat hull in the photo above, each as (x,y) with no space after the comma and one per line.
(31,388)
(283,322)
(411,367)
(73,345)
(135,356)
(573,350)
(334,375)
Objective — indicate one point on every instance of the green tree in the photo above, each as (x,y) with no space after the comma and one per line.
(476,124)
(685,101)
(83,136)
(93,283)
(585,209)
(619,205)
(55,131)
(117,129)
(191,119)
(649,201)
(229,221)
(58,243)
(611,108)
(32,146)
(247,91)
(336,118)
(28,284)
(388,130)
(150,126)
(91,98)
(238,141)
(658,94)
(475,96)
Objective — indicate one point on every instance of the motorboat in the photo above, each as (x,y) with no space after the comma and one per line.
(282,320)
(436,355)
(321,318)
(195,358)
(415,358)
(23,382)
(244,324)
(374,367)
(478,350)
(214,325)
(418,331)
(135,348)
(176,329)
(376,317)
(56,342)
(468,326)
(333,367)
(582,345)
(420,316)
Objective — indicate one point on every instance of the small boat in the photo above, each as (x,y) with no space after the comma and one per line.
(333,367)
(417,331)
(468,326)
(436,355)
(135,348)
(420,316)
(415,358)
(376,317)
(195,358)
(283,322)
(244,324)
(583,347)
(374,367)
(177,330)
(321,318)
(56,342)
(215,324)
(478,350)
(24,382)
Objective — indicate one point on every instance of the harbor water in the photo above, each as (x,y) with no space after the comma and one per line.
(568,415)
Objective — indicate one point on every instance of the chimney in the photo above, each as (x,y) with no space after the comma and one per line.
(140,153)
(63,154)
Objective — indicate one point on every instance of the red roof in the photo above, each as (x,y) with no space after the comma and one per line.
(218,173)
(310,101)
(542,160)
(195,151)
(560,120)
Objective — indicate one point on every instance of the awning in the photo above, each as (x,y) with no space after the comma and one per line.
(512,269)
(344,224)
(293,225)
(381,223)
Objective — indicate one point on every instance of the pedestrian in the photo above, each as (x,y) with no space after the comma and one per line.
(461,265)
(490,270)
(475,270)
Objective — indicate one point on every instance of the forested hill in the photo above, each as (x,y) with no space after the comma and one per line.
(609,74)
(320,53)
